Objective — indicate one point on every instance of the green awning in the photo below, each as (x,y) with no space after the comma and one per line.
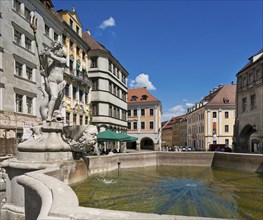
(127,138)
(109,135)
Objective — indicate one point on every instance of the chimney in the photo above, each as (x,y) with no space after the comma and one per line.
(88,31)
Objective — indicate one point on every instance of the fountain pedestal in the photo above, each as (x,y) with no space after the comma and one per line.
(45,149)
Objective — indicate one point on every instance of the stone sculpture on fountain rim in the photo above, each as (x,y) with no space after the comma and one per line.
(50,137)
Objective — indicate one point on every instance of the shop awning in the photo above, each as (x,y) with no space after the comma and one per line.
(109,135)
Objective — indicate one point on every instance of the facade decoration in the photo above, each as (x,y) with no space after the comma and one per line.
(249,118)
(78,88)
(144,119)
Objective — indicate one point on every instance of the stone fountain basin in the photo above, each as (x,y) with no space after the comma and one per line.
(51,198)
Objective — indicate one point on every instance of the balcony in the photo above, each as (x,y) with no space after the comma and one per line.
(79,76)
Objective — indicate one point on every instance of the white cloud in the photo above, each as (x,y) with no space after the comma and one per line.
(188,104)
(142,80)
(108,23)
(185,100)
(177,110)
(174,111)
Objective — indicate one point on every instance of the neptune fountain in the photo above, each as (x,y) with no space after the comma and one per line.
(51,145)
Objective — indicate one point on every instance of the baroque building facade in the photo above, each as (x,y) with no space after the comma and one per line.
(19,65)
(211,121)
(249,120)
(144,119)
(109,87)
(78,89)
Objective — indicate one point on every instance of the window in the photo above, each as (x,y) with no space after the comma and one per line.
(144,97)
(71,23)
(71,44)
(251,77)
(95,109)
(151,111)
(135,125)
(259,74)
(110,111)
(123,115)
(227,142)
(27,14)
(17,37)
(55,36)
(110,87)
(19,69)
(77,30)
(244,104)
(28,43)
(29,73)
(244,81)
(129,125)
(19,103)
(214,127)
(94,61)
(95,84)
(74,92)
(16,6)
(71,65)
(226,114)
(80,95)
(142,125)
(134,98)
(129,112)
(142,112)
(47,30)
(214,115)
(226,128)
(253,102)
(134,112)
(29,102)
(64,39)
(86,120)
(67,117)
(123,96)
(74,119)
(67,90)
(86,98)
(81,119)
(151,124)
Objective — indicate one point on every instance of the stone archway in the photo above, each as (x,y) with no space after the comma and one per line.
(244,137)
(147,144)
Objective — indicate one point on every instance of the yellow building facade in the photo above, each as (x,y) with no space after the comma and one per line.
(144,119)
(77,92)
(211,121)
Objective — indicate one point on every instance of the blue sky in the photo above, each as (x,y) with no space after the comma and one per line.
(180,50)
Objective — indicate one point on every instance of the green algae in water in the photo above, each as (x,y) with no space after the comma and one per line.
(174,190)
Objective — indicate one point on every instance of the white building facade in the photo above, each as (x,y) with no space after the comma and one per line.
(19,65)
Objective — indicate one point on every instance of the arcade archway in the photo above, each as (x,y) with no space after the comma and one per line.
(147,144)
(244,137)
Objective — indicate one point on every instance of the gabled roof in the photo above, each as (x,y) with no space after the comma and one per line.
(254,58)
(72,13)
(139,93)
(173,121)
(225,95)
(94,45)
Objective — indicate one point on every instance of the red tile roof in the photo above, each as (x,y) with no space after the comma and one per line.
(139,93)
(94,45)
(225,96)
(173,121)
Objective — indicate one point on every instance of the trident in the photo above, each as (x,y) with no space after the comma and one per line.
(33,25)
